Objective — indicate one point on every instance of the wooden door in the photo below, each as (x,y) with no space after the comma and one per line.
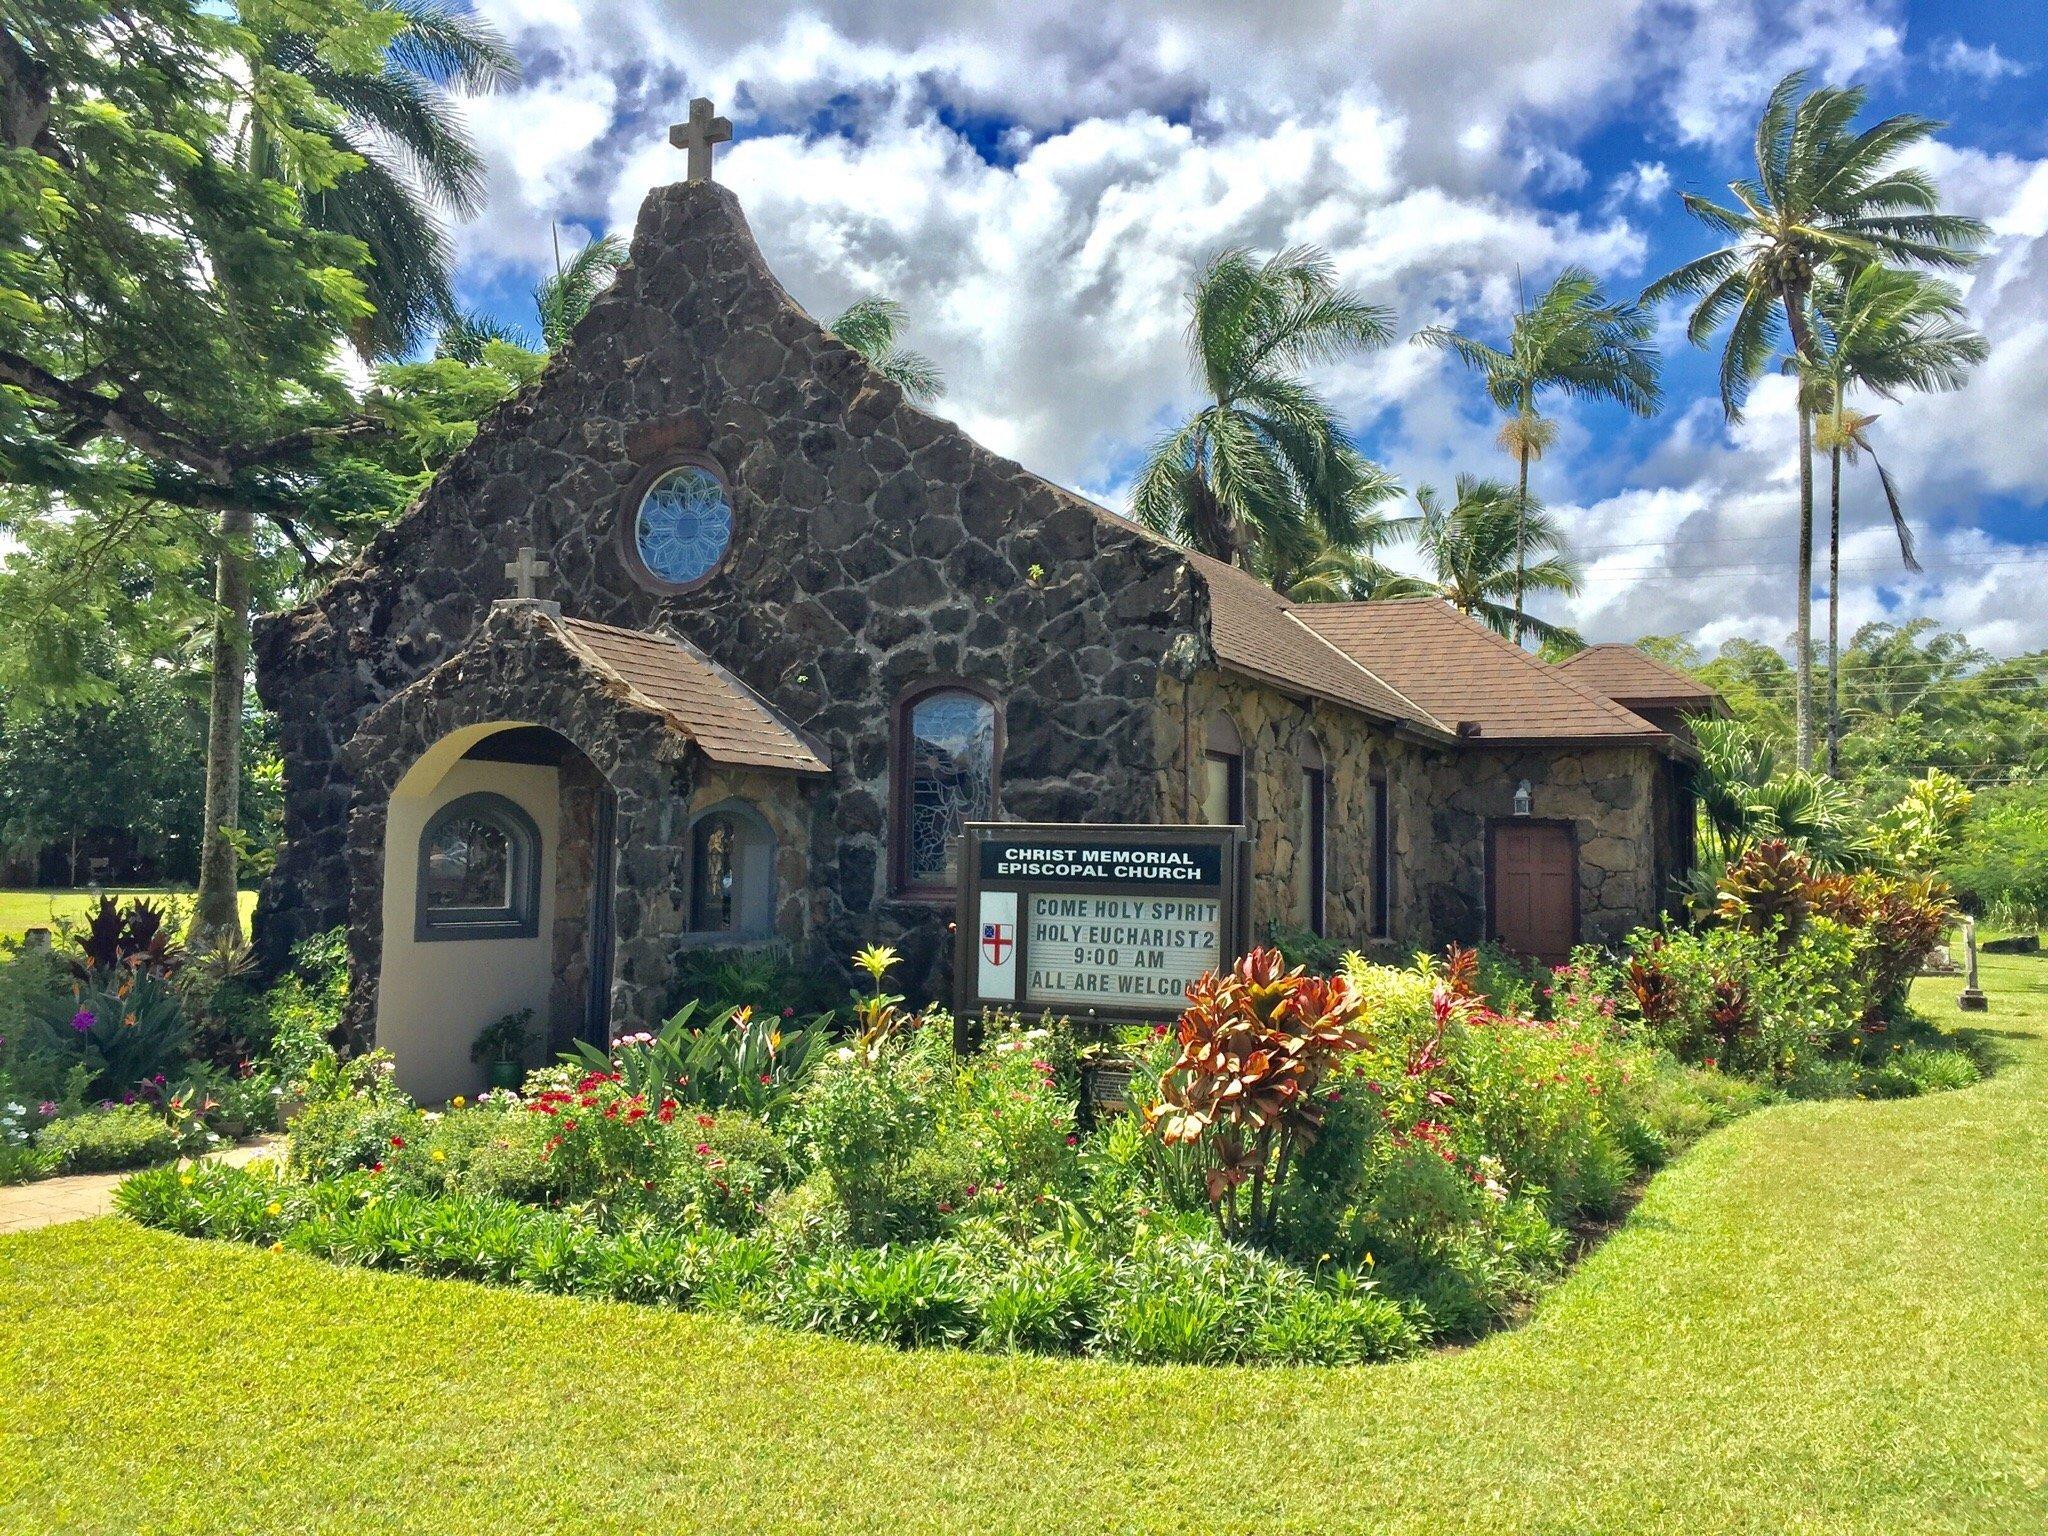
(1535,889)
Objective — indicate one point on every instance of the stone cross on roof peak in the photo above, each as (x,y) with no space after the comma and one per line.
(697,135)
(524,570)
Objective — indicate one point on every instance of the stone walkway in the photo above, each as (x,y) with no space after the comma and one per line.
(79,1196)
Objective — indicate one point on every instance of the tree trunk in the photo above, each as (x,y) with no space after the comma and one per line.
(1521,537)
(219,915)
(1835,603)
(1803,704)
(1802,352)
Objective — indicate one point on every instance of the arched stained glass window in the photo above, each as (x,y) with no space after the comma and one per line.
(946,773)
(683,525)
(479,871)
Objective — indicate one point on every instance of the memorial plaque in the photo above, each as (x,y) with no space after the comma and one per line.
(1103,923)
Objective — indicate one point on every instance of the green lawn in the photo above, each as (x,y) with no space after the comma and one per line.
(22,910)
(1825,1318)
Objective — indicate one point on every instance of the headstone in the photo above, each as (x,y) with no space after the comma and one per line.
(1973,999)
(697,135)
(35,938)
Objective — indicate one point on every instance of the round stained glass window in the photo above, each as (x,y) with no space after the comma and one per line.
(684,525)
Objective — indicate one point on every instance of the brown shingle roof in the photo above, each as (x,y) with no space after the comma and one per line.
(1461,671)
(727,720)
(1258,632)
(1631,678)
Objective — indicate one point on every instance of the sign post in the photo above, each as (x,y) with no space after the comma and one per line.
(1106,924)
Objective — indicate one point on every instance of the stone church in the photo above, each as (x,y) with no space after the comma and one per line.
(781,632)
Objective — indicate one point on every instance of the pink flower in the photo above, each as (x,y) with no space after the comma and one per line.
(82,1020)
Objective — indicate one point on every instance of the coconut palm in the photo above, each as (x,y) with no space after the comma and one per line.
(1823,195)
(1888,331)
(1491,547)
(417,160)
(1573,341)
(561,299)
(1333,575)
(1263,466)
(869,326)
(398,119)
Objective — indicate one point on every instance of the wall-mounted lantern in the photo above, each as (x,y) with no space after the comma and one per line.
(1523,799)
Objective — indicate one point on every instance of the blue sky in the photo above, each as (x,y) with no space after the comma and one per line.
(1037,187)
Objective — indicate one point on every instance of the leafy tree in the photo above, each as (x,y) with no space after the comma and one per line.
(1489,545)
(1888,331)
(871,326)
(1824,195)
(393,114)
(1574,341)
(170,299)
(1263,471)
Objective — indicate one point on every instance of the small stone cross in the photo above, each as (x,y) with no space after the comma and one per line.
(698,135)
(524,570)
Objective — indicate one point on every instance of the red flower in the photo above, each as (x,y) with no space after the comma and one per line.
(667,1112)
(707,1121)
(376,1167)
(398,1141)
(703,1149)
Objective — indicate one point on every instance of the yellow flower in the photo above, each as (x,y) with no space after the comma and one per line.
(185,1179)
(457,1102)
(876,959)
(438,1156)
(273,1209)
(277,1247)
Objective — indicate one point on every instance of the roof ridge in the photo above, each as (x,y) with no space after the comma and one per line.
(1636,653)
(1288,607)
(1554,673)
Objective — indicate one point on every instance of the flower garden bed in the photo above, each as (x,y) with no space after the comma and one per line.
(1317,1169)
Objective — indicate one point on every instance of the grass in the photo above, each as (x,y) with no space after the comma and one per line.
(1827,1317)
(23,910)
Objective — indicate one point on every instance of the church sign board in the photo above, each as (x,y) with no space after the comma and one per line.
(1102,923)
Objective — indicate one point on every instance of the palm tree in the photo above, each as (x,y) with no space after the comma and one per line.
(398,120)
(417,160)
(1888,331)
(561,299)
(1572,340)
(1264,467)
(869,326)
(1492,544)
(1823,195)
(1332,575)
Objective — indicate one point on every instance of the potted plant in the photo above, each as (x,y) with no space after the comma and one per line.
(501,1047)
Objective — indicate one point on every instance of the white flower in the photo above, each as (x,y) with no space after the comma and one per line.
(845,1053)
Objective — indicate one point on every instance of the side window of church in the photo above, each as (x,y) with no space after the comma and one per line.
(945,775)
(479,872)
(1382,859)
(1222,781)
(732,874)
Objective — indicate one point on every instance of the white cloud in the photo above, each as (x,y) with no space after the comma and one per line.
(1037,185)
(1985,63)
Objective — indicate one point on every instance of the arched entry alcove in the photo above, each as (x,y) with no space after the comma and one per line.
(497,898)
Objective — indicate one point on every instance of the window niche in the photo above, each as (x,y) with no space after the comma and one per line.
(479,872)
(1222,774)
(732,874)
(1312,884)
(945,769)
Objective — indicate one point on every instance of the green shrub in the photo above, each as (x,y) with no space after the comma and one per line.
(342,1135)
(1038,1302)
(906,1296)
(496,1153)
(101,1140)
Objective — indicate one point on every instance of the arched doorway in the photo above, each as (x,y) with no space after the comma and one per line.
(497,899)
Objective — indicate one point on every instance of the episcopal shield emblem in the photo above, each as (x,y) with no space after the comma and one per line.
(996,942)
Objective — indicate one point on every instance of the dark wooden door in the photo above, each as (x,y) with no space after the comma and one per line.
(1535,882)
